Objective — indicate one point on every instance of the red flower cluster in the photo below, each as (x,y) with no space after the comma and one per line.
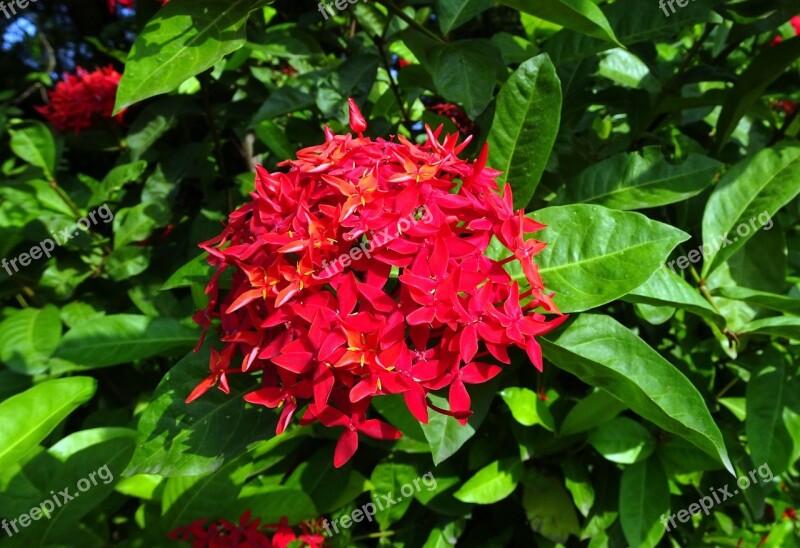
(457,116)
(248,534)
(82,100)
(407,315)
(787,106)
(112,4)
(795,22)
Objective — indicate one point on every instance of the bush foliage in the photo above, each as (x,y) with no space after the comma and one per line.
(657,143)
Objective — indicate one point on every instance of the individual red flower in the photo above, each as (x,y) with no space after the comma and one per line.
(247,534)
(82,100)
(363,271)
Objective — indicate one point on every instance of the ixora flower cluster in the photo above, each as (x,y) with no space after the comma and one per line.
(223,534)
(82,100)
(409,318)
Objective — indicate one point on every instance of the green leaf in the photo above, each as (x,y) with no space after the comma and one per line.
(185,38)
(579,15)
(445,434)
(388,478)
(527,408)
(605,354)
(492,483)
(643,499)
(27,418)
(123,338)
(326,485)
(464,72)
(778,326)
(579,485)
(749,88)
(769,394)
(34,143)
(623,440)
(548,507)
(92,458)
(773,301)
(595,409)
(596,255)
(525,126)
(667,289)
(30,337)
(134,224)
(746,199)
(640,180)
(197,271)
(180,439)
(452,14)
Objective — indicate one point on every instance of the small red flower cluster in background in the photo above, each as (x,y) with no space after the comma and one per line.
(457,116)
(82,100)
(795,22)
(248,534)
(112,4)
(406,316)
(787,106)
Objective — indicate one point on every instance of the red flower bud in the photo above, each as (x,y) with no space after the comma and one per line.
(357,122)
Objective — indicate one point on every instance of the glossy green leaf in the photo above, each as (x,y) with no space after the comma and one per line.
(180,439)
(595,409)
(185,38)
(778,326)
(34,143)
(90,463)
(639,180)
(579,15)
(745,200)
(196,271)
(123,338)
(527,407)
(525,126)
(773,301)
(605,354)
(667,289)
(579,485)
(389,478)
(464,72)
(767,400)
(28,417)
(454,13)
(623,441)
(492,483)
(643,499)
(445,434)
(548,507)
(596,255)
(29,338)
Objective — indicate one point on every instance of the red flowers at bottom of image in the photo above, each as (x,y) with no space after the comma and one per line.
(249,533)
(365,270)
(82,100)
